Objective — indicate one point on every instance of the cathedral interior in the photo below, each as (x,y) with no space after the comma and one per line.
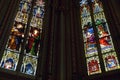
(59,39)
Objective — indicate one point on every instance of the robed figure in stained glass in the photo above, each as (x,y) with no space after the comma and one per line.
(17,35)
(97,6)
(33,42)
(29,69)
(111,61)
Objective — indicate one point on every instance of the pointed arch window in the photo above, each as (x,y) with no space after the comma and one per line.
(18,33)
(97,38)
(33,40)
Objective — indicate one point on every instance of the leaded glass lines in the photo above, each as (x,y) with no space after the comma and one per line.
(107,48)
(13,47)
(18,36)
(92,41)
(32,48)
(91,53)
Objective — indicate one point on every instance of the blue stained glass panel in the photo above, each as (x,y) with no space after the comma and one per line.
(38,11)
(110,61)
(29,65)
(89,39)
(24,7)
(9,60)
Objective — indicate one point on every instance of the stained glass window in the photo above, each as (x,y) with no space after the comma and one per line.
(96,25)
(13,47)
(14,44)
(31,51)
(90,47)
(105,39)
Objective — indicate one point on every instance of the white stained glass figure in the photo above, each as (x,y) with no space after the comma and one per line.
(34,22)
(83,2)
(97,7)
(85,11)
(9,64)
(24,7)
(39,12)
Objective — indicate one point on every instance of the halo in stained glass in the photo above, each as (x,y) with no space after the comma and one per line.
(33,42)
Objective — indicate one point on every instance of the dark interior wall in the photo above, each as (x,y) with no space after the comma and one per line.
(4,6)
(8,10)
(116,7)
